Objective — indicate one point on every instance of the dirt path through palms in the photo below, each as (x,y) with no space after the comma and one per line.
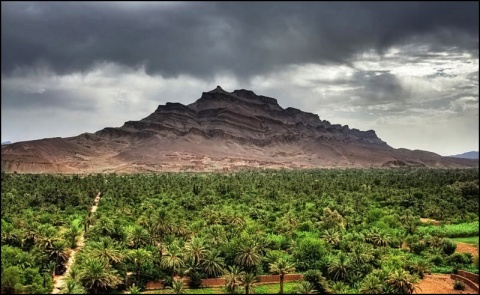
(59,281)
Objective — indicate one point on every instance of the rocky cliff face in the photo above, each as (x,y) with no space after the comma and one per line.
(220,131)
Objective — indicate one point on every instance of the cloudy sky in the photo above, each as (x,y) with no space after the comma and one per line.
(408,70)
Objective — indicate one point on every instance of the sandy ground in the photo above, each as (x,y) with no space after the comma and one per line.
(59,281)
(467,248)
(439,284)
(443,283)
(429,220)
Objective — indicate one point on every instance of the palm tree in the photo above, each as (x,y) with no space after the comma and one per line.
(191,268)
(108,249)
(361,253)
(147,222)
(306,288)
(173,259)
(281,267)
(177,287)
(163,224)
(97,275)
(247,280)
(332,219)
(58,252)
(361,257)
(340,288)
(236,220)
(319,282)
(232,276)
(196,249)
(10,235)
(133,289)
(215,234)
(248,256)
(371,284)
(49,268)
(212,264)
(339,267)
(47,236)
(435,242)
(71,234)
(88,221)
(136,236)
(73,287)
(420,268)
(378,237)
(30,234)
(212,217)
(332,237)
(401,281)
(139,256)
(104,226)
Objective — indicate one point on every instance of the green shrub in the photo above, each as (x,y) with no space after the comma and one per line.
(168,282)
(314,277)
(459,285)
(309,252)
(449,246)
(11,278)
(459,258)
(467,229)
(409,240)
(418,247)
(306,226)
(436,259)
(419,268)
(195,280)
(277,242)
(133,290)
(442,269)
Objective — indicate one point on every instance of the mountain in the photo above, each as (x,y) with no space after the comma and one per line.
(467,155)
(6,142)
(220,131)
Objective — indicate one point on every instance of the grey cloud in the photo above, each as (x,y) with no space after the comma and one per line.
(382,87)
(205,38)
(35,98)
(373,87)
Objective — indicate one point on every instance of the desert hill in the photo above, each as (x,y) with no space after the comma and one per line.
(220,131)
(467,155)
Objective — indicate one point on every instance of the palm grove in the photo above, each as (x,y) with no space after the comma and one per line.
(345,230)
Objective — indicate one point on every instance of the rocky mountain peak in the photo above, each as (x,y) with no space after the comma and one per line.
(221,130)
(241,96)
(219,89)
(245,93)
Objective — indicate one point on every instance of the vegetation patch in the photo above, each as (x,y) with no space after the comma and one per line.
(347,231)
(467,229)
(467,240)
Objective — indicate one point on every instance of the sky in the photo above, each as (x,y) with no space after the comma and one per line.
(408,70)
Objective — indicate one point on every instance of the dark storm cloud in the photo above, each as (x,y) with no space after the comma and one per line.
(380,87)
(204,38)
(374,87)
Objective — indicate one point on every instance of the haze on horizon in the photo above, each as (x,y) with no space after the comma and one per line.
(408,70)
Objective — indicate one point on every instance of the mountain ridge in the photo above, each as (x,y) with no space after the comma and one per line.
(220,131)
(467,155)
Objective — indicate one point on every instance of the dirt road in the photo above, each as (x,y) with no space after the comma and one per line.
(59,281)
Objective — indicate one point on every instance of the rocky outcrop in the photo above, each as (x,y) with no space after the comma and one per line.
(220,131)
